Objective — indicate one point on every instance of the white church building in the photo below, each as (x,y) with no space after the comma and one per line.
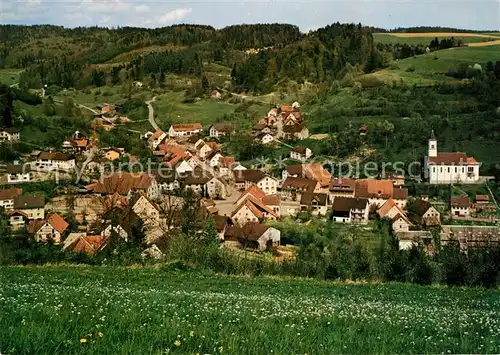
(450,168)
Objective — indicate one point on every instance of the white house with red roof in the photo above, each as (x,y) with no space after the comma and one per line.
(450,168)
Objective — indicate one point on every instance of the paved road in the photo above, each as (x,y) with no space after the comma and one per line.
(152,113)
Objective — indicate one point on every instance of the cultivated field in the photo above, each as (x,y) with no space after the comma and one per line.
(104,310)
(425,38)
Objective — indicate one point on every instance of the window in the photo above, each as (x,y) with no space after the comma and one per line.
(433,169)
(455,169)
(441,170)
(448,169)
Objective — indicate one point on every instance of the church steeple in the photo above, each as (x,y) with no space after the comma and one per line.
(432,145)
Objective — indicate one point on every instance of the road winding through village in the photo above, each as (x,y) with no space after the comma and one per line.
(152,113)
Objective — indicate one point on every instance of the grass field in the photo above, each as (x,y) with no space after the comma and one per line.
(426,38)
(431,67)
(9,76)
(104,310)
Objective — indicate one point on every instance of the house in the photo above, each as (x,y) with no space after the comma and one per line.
(252,210)
(390,209)
(209,206)
(295,132)
(400,223)
(217,188)
(221,225)
(300,153)
(460,207)
(126,183)
(314,171)
(18,173)
(291,118)
(196,181)
(226,164)
(221,129)
(202,149)
(32,206)
(213,159)
(273,202)
(55,161)
(363,130)
(293,188)
(7,198)
(50,229)
(350,210)
(83,243)
(424,214)
(408,239)
(450,168)
(80,145)
(397,179)
(342,187)
(185,129)
(264,138)
(261,128)
(156,139)
(316,203)
(379,191)
(17,219)
(259,236)
(247,177)
(147,210)
(10,134)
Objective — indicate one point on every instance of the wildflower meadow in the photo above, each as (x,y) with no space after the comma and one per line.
(110,310)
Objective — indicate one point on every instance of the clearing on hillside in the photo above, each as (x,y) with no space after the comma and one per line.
(425,38)
(106,310)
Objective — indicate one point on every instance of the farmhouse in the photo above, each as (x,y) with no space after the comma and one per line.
(424,214)
(17,219)
(83,243)
(156,139)
(390,210)
(126,183)
(259,236)
(252,210)
(400,223)
(147,210)
(460,207)
(293,188)
(300,153)
(32,206)
(273,202)
(8,196)
(350,210)
(264,138)
(316,203)
(470,236)
(10,134)
(55,161)
(450,168)
(221,129)
(185,129)
(379,191)
(18,173)
(50,229)
(313,171)
(295,132)
(245,178)
(342,187)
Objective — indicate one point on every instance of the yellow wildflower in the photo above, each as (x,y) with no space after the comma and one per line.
(191,333)
(100,335)
(83,340)
(177,342)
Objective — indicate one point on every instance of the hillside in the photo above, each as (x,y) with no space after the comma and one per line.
(116,310)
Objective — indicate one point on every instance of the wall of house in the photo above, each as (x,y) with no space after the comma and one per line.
(272,234)
(446,174)
(460,211)
(431,214)
(34,213)
(145,210)
(400,225)
(153,191)
(269,185)
(16,222)
(216,189)
(243,216)
(7,204)
(342,219)
(46,233)
(18,178)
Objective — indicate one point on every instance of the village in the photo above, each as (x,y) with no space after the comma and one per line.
(242,200)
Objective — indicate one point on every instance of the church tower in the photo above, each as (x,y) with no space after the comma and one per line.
(433,151)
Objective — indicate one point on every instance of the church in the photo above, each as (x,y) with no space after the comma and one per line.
(450,168)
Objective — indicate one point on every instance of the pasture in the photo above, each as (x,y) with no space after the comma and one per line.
(9,76)
(426,38)
(431,67)
(104,310)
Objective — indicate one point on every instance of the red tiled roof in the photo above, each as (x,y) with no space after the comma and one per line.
(57,222)
(10,194)
(271,200)
(462,201)
(121,183)
(227,162)
(457,158)
(483,198)
(286,108)
(299,184)
(253,230)
(156,135)
(183,127)
(89,244)
(342,184)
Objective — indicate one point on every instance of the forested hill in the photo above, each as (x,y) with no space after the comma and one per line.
(258,55)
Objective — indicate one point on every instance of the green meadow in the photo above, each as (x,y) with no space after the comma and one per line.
(425,40)
(105,310)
